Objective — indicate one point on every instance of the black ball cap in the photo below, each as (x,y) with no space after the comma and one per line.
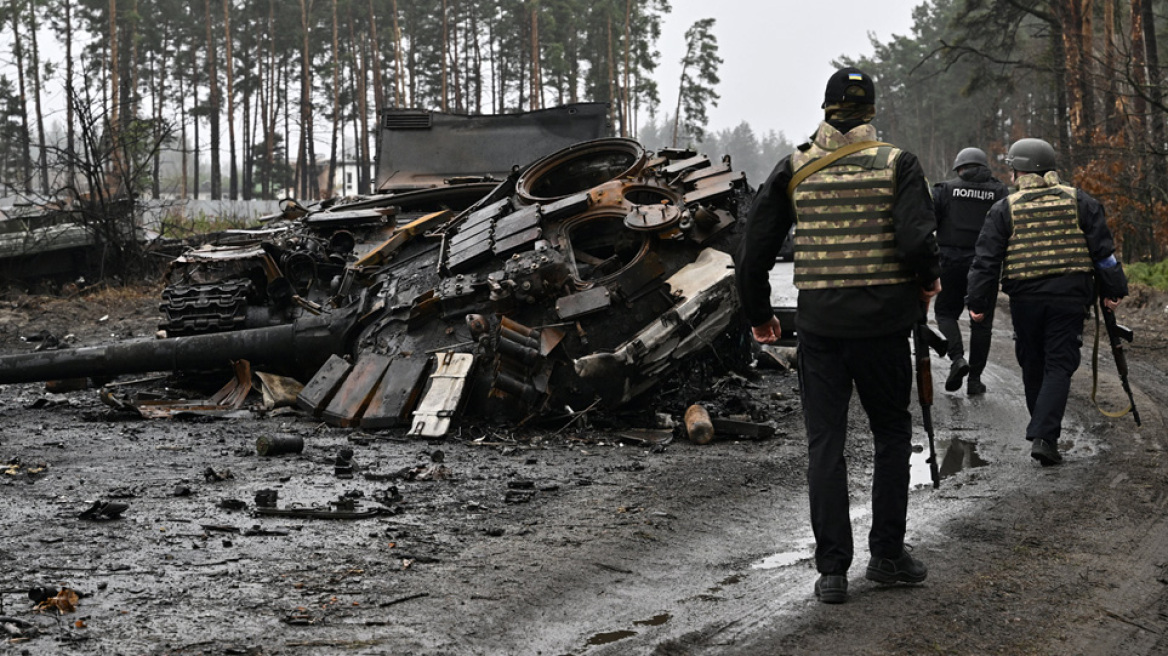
(850,85)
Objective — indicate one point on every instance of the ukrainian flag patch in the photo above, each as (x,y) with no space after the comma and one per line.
(855,76)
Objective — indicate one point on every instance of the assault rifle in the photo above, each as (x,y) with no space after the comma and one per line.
(1117,334)
(925,338)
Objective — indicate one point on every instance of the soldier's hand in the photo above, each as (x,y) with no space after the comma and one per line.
(932,290)
(1111,303)
(767,333)
(976,316)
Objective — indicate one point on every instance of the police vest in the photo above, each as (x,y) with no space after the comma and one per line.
(1046,238)
(967,207)
(844,235)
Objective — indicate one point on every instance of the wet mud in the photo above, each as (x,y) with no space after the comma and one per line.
(581,538)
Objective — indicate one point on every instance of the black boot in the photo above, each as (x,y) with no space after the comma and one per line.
(979,353)
(957,372)
(975,387)
(1046,452)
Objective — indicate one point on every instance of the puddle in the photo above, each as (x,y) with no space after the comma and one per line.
(961,454)
(778,560)
(955,455)
(656,620)
(609,638)
(733,579)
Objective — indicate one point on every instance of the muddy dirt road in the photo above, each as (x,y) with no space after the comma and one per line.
(577,539)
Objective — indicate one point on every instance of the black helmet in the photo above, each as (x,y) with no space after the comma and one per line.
(1031,156)
(970,156)
(849,85)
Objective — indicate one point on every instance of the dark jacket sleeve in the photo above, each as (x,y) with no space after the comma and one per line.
(914,220)
(1108,271)
(989,253)
(767,224)
(940,201)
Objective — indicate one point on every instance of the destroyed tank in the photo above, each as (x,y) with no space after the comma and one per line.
(580,280)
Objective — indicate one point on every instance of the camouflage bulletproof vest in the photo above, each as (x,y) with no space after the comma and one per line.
(844,235)
(1046,238)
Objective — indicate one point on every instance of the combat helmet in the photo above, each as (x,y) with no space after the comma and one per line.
(970,156)
(1031,156)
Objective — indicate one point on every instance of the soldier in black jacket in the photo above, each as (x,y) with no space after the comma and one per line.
(961,207)
(1049,243)
(865,259)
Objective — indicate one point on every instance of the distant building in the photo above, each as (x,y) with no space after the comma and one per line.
(346,179)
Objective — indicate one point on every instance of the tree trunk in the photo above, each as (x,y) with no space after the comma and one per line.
(159,99)
(182,112)
(375,58)
(270,108)
(360,74)
(247,189)
(410,93)
(399,82)
(1132,243)
(536,74)
(455,66)
(445,45)
(496,81)
(288,185)
(1111,108)
(332,170)
(25,135)
(310,186)
(195,115)
(612,104)
(70,99)
(625,91)
(43,158)
(112,110)
(1155,82)
(573,56)
(230,73)
(130,75)
(1078,93)
(478,61)
(213,106)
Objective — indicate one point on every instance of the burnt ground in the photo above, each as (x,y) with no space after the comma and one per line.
(567,538)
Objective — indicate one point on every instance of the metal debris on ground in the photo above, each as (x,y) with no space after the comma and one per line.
(63,602)
(101,510)
(343,465)
(698,425)
(213,476)
(275,445)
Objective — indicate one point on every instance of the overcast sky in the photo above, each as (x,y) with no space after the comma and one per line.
(777,54)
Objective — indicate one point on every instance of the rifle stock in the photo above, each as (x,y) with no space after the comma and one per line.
(925,338)
(1117,334)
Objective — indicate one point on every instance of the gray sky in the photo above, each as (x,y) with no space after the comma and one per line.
(777,54)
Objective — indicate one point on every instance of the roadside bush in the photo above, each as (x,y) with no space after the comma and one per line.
(1153,275)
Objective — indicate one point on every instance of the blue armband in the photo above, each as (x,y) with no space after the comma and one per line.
(1108,263)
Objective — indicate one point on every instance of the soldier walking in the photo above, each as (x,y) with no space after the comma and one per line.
(865,261)
(961,205)
(1049,243)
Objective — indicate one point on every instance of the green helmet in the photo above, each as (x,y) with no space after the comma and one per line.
(970,156)
(1031,156)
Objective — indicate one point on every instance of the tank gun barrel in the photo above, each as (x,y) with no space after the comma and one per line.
(296,348)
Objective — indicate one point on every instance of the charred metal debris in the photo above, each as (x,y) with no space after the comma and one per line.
(580,281)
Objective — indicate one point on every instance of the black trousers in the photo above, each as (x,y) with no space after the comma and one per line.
(1048,339)
(949,307)
(881,371)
